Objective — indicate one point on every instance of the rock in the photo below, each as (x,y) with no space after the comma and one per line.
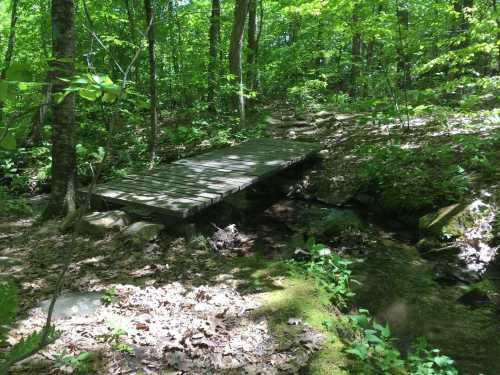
(99,223)
(474,298)
(74,305)
(142,232)
(7,262)
(451,274)
(324,154)
(225,239)
(453,221)
(339,220)
(428,244)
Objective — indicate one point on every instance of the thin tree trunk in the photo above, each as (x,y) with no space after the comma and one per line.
(235,65)
(356,49)
(214,40)
(153,95)
(252,43)
(35,138)
(403,65)
(38,120)
(62,198)
(498,33)
(129,4)
(10,44)
(463,25)
(11,40)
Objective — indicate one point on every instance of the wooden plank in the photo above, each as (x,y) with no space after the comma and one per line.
(180,208)
(189,185)
(173,190)
(211,186)
(147,189)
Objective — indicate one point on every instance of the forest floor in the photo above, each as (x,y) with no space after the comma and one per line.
(172,305)
(179,306)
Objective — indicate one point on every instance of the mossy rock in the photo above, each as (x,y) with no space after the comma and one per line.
(338,221)
(452,221)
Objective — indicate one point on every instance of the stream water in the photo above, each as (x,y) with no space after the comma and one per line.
(397,286)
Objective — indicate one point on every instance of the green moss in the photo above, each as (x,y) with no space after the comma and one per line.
(300,299)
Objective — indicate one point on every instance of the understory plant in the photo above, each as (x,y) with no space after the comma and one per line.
(330,271)
(373,352)
(28,346)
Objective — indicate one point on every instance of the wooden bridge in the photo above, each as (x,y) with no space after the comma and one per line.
(189,185)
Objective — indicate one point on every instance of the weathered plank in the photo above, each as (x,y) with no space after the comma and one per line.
(187,186)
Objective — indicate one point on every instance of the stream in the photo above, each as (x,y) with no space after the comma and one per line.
(398,287)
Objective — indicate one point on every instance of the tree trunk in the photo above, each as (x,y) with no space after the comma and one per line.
(153,97)
(498,33)
(62,198)
(10,44)
(11,40)
(463,25)
(235,47)
(35,138)
(403,64)
(252,44)
(214,40)
(129,4)
(356,50)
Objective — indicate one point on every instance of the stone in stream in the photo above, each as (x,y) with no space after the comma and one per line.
(77,304)
(453,221)
(7,262)
(474,298)
(99,223)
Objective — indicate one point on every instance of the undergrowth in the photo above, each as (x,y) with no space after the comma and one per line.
(367,343)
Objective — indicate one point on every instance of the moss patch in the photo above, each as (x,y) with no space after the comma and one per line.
(300,299)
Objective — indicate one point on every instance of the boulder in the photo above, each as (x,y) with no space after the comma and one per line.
(142,232)
(453,221)
(339,220)
(99,223)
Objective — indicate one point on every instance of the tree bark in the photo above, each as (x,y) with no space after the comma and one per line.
(463,25)
(214,40)
(153,95)
(252,43)
(10,45)
(62,198)
(235,47)
(403,64)
(11,40)
(356,49)
(497,16)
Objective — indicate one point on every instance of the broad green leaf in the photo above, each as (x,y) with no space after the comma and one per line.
(89,94)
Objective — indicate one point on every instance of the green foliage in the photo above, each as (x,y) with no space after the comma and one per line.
(330,271)
(308,93)
(372,347)
(413,180)
(10,206)
(373,352)
(76,364)
(108,297)
(26,346)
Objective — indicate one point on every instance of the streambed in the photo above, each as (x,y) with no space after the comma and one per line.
(398,286)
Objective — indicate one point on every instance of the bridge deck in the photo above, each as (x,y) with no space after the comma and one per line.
(187,186)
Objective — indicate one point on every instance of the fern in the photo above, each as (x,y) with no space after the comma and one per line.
(27,346)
